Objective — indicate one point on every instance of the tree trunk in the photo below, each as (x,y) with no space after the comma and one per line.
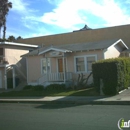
(4,30)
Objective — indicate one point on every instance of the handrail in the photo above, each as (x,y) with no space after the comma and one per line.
(50,77)
(14,61)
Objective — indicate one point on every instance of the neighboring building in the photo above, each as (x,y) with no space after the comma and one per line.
(83,36)
(63,63)
(12,66)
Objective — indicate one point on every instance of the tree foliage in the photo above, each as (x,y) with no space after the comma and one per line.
(11,39)
(5,5)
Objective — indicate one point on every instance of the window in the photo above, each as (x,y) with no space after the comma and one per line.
(90,60)
(84,63)
(80,66)
(46,65)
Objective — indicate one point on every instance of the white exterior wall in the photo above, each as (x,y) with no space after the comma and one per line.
(111,52)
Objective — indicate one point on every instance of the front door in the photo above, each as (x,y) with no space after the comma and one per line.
(60,65)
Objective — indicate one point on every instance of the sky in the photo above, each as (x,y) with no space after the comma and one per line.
(33,18)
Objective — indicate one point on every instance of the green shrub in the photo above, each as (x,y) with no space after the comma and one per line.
(35,88)
(56,87)
(38,88)
(115,74)
(27,87)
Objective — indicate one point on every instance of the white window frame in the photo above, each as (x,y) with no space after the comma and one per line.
(85,62)
(46,66)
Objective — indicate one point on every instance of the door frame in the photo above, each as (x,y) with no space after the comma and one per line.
(57,67)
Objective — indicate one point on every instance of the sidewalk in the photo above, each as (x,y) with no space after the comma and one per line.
(120,99)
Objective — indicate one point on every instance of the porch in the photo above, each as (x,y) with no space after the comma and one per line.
(55,77)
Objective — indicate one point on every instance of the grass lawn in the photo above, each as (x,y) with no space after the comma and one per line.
(26,93)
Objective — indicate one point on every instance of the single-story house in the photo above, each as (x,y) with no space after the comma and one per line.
(62,63)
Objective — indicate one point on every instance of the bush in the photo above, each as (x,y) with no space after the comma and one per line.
(35,88)
(56,87)
(27,87)
(115,74)
(38,88)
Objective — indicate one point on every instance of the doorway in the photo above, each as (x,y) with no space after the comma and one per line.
(60,65)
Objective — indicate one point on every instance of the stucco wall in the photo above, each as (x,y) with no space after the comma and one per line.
(33,68)
(13,55)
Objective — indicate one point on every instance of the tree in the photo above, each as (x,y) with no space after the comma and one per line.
(19,37)
(4,9)
(11,38)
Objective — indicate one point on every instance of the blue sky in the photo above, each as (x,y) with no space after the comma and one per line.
(32,18)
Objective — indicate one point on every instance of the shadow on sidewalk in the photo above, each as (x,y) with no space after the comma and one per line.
(69,101)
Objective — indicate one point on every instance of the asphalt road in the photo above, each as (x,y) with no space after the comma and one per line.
(19,116)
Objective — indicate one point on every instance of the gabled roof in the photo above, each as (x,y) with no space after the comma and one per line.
(54,49)
(78,47)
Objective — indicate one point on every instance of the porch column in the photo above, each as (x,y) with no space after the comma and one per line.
(5,78)
(46,68)
(13,75)
(64,68)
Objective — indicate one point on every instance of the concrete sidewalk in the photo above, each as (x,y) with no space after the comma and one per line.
(121,99)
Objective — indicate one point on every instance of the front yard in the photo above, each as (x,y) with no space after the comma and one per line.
(44,92)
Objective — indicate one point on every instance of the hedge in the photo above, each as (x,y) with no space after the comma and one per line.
(115,74)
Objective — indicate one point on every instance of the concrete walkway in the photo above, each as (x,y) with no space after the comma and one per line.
(121,99)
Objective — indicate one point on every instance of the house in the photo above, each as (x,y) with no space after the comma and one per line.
(61,63)
(12,66)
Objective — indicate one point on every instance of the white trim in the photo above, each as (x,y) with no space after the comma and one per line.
(85,62)
(120,40)
(18,44)
(103,52)
(75,63)
(54,49)
(57,64)
(46,66)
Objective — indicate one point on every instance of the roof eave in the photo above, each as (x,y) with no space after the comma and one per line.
(54,49)
(19,44)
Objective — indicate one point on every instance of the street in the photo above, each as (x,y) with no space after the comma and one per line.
(23,116)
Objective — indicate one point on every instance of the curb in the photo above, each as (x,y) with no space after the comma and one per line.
(73,102)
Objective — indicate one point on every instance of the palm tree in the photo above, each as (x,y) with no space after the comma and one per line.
(4,9)
(1,16)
